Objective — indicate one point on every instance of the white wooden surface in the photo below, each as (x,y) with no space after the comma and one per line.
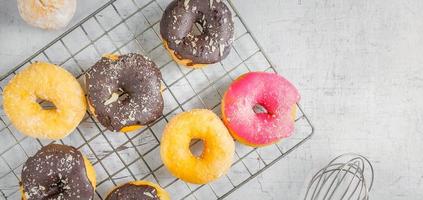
(358,65)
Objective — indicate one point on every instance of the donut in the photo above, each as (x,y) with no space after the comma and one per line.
(138,190)
(124,92)
(48,82)
(57,172)
(259,108)
(197,50)
(47,14)
(216,157)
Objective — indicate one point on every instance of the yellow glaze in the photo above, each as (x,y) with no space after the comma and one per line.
(130,128)
(90,172)
(218,150)
(47,82)
(113,57)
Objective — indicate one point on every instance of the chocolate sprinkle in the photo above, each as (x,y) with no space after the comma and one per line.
(133,192)
(213,44)
(56,172)
(125,92)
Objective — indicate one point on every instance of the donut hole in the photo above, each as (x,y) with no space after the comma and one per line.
(260,109)
(123,94)
(196,147)
(197,29)
(119,96)
(46,104)
(123,97)
(198,25)
(58,187)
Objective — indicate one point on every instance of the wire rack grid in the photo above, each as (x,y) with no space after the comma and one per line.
(122,26)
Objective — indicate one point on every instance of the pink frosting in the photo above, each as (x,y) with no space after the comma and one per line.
(277,95)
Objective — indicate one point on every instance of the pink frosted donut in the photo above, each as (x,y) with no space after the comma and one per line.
(259,108)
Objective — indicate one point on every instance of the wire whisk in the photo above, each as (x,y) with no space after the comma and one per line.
(348,176)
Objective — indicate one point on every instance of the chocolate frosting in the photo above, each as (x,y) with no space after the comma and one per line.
(213,44)
(133,192)
(56,172)
(125,92)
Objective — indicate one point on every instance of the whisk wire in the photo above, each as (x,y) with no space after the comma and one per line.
(348,176)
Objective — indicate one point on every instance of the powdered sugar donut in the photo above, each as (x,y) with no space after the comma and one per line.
(47,14)
(259,108)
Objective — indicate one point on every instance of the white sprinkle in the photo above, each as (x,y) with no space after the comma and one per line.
(26,195)
(131,116)
(69,158)
(211,3)
(186,2)
(222,49)
(148,194)
(113,98)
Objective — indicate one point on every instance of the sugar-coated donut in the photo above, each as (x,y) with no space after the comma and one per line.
(259,108)
(47,14)
(47,82)
(211,45)
(138,190)
(217,154)
(124,92)
(57,172)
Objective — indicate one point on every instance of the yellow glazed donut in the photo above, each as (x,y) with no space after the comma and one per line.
(47,82)
(138,190)
(47,14)
(217,154)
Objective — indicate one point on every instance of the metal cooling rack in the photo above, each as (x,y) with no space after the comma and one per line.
(122,26)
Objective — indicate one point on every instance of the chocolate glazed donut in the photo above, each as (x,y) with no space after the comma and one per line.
(212,45)
(130,191)
(56,172)
(124,92)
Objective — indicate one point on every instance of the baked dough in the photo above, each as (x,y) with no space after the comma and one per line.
(47,14)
